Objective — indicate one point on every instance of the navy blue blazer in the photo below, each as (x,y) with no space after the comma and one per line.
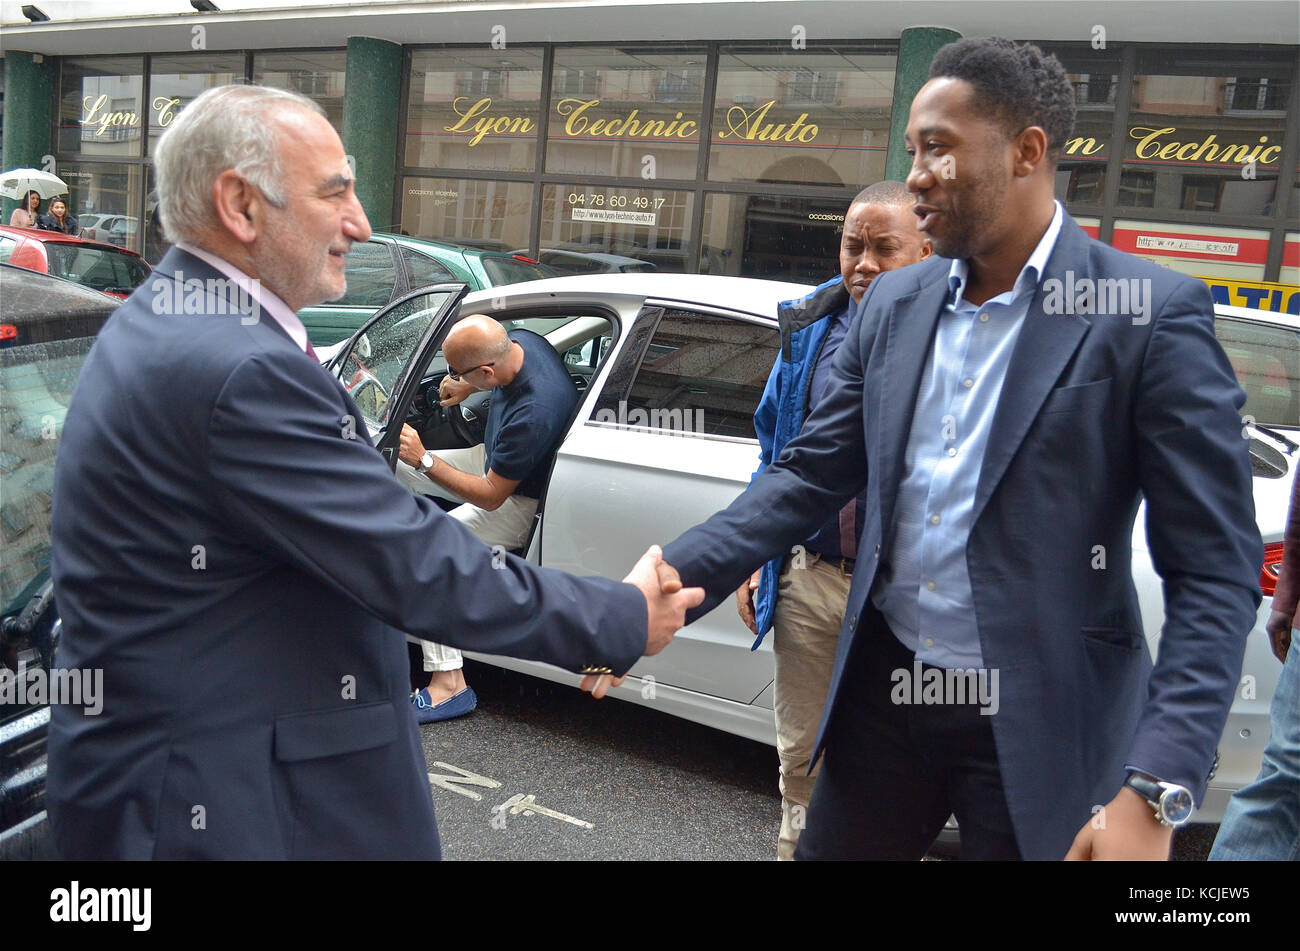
(1096,411)
(242,571)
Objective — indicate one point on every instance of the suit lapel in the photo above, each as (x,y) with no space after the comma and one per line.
(1043,349)
(912,321)
(184,268)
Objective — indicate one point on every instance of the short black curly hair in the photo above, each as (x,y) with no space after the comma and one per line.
(1016,82)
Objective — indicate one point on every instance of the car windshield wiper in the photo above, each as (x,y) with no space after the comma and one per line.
(1290,446)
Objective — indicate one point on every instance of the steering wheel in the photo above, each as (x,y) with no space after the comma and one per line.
(468,418)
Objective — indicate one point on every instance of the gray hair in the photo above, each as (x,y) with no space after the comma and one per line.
(226,127)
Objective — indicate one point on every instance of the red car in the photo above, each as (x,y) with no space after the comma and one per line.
(104,267)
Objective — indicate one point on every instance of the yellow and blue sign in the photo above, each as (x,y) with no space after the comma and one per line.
(1261,295)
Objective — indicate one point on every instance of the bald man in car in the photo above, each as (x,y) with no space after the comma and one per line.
(499,480)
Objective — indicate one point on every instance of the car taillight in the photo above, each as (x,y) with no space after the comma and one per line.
(8,334)
(1272,568)
(525,258)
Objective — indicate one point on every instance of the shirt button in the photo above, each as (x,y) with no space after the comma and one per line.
(930,585)
(952,451)
(853,622)
(934,520)
(984,318)
(929,642)
(877,551)
(968,383)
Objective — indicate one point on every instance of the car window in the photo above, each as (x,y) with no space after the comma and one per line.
(36,383)
(100,268)
(1266,359)
(702,373)
(502,269)
(424,270)
(7,246)
(371,276)
(377,357)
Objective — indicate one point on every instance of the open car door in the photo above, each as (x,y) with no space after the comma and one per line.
(381,365)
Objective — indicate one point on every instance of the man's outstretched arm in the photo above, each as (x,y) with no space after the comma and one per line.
(817,472)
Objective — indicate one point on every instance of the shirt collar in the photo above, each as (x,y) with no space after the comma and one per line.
(266,299)
(1029,275)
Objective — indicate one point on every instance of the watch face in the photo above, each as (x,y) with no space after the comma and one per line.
(1176,805)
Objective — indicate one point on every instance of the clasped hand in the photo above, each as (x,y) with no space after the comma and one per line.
(666,604)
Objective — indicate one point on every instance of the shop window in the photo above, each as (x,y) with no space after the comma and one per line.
(101,106)
(175,81)
(785,238)
(105,198)
(818,116)
(474,109)
(486,215)
(1208,135)
(586,229)
(317,74)
(638,115)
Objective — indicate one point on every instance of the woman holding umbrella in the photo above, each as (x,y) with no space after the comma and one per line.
(27,215)
(58,218)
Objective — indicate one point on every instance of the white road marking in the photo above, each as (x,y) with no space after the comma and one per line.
(528,806)
(466,777)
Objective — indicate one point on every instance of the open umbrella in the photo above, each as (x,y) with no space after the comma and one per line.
(20,181)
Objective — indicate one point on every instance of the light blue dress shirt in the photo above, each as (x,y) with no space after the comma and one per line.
(924,591)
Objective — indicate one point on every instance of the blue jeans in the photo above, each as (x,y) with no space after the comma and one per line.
(1262,820)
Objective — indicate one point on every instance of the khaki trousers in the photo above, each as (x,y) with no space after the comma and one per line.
(805,633)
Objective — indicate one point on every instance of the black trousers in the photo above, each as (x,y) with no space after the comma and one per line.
(892,773)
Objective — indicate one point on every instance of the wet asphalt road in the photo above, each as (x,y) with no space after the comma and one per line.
(652,786)
(643,785)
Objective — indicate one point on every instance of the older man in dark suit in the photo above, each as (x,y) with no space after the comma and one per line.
(239,560)
(1005,411)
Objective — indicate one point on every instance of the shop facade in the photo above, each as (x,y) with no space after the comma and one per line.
(710,156)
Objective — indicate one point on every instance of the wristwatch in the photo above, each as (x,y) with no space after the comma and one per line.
(1173,803)
(426,462)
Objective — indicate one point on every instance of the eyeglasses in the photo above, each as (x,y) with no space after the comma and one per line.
(457,375)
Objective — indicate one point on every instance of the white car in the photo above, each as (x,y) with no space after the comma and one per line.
(670,369)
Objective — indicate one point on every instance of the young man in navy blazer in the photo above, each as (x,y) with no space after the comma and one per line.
(1006,406)
(232,552)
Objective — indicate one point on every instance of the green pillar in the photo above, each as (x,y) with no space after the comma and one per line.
(916,51)
(370,113)
(28,114)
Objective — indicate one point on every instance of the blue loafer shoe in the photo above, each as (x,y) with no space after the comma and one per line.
(426,711)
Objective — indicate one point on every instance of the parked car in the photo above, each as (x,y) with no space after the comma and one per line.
(97,227)
(95,264)
(47,326)
(388,266)
(567,262)
(670,369)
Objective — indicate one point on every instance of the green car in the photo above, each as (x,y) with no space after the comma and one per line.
(389,266)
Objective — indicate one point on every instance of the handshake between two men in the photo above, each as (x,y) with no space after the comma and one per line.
(666,605)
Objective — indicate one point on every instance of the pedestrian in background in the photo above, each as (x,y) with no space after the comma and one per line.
(26,216)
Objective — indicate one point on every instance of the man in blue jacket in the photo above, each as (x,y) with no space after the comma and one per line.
(804,594)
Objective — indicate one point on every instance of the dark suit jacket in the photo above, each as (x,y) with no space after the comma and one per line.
(242,572)
(1095,411)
